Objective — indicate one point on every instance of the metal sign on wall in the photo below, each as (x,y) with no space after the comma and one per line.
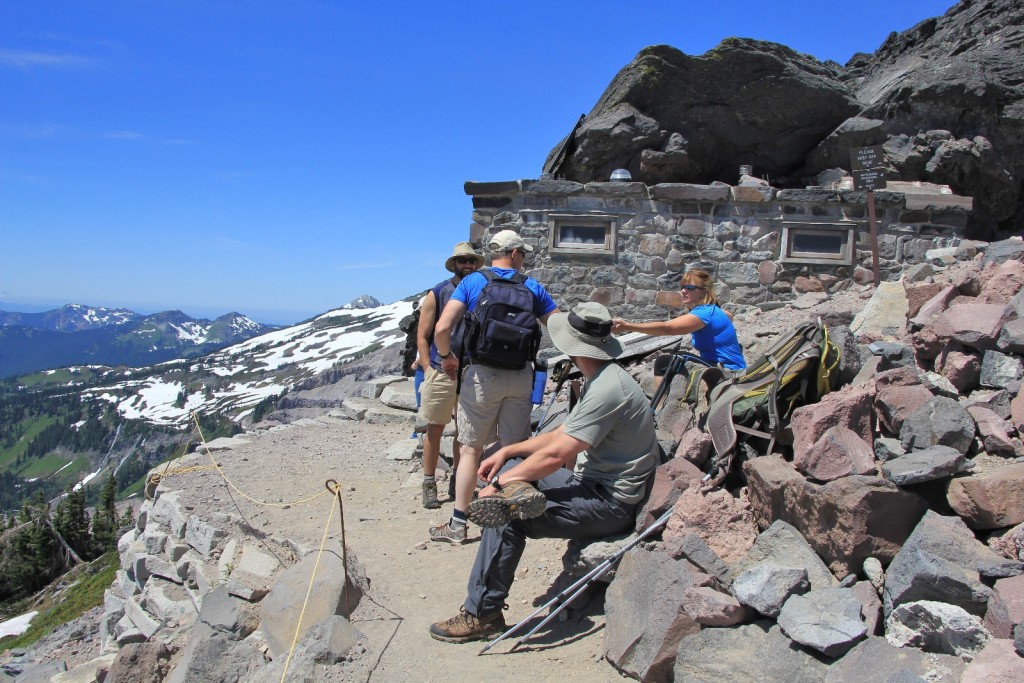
(868,167)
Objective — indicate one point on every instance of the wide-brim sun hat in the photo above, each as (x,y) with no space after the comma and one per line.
(462,250)
(585,331)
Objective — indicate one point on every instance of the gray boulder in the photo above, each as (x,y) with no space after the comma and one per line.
(337,591)
(140,663)
(936,462)
(227,614)
(828,621)
(766,587)
(695,549)
(755,652)
(943,561)
(939,421)
(1000,370)
(936,627)
(213,656)
(876,661)
(782,544)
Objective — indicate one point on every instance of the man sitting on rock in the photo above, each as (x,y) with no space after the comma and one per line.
(609,435)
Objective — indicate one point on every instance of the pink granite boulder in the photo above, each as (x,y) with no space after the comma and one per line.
(992,500)
(849,407)
(839,452)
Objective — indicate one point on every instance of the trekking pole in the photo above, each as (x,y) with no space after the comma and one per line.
(576,589)
(561,369)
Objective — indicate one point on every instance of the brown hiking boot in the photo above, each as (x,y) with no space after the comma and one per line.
(430,500)
(464,627)
(516,500)
(449,533)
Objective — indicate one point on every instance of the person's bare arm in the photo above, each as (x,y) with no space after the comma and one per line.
(453,310)
(547,453)
(683,324)
(544,318)
(428,310)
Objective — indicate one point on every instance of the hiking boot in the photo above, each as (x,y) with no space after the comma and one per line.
(430,500)
(447,533)
(516,500)
(464,627)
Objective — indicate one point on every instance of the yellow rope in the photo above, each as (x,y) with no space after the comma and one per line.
(240,491)
(309,590)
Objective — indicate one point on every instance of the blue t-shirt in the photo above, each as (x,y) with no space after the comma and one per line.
(716,341)
(469,290)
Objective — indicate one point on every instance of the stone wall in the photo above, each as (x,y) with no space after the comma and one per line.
(734,231)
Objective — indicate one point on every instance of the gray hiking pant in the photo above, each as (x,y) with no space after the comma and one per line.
(575,509)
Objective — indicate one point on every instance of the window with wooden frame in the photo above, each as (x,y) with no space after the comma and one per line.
(582,234)
(822,243)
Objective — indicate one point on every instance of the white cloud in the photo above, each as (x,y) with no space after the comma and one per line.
(24,59)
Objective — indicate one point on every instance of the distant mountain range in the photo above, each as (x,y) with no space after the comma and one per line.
(86,335)
(74,422)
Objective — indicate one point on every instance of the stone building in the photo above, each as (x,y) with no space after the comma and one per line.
(627,244)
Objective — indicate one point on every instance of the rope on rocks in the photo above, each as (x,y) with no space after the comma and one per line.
(332,487)
(154,480)
(312,578)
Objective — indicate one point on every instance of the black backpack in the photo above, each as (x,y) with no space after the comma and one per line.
(502,331)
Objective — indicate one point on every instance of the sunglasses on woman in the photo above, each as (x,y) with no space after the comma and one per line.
(690,288)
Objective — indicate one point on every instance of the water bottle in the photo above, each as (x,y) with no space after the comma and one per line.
(540,379)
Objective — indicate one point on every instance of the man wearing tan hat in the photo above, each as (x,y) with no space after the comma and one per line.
(608,436)
(494,401)
(438,391)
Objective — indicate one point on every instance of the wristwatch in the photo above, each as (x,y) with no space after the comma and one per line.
(444,356)
(496,484)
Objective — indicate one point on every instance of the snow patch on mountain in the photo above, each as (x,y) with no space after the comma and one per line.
(236,378)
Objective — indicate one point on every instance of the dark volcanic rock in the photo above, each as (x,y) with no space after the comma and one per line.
(949,98)
(945,99)
(671,117)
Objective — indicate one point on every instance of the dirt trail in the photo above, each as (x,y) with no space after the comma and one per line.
(415,582)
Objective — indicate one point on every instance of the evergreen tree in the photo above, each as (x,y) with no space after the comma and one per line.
(32,559)
(127,518)
(104,520)
(72,523)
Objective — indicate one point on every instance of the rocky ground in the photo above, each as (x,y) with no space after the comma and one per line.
(191,600)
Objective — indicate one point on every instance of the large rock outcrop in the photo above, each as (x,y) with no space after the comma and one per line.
(670,117)
(945,98)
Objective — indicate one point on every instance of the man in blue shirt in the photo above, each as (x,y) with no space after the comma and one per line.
(494,402)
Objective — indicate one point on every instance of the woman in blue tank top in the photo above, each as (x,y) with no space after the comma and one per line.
(710,328)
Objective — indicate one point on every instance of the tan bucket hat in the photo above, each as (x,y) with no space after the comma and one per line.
(462,249)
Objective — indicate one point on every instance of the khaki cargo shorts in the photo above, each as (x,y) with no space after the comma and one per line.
(437,397)
(495,403)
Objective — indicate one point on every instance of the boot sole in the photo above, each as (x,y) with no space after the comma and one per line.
(494,511)
(491,632)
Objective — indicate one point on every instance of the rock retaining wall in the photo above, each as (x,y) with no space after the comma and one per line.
(734,231)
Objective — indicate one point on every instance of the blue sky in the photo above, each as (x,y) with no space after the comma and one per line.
(282,158)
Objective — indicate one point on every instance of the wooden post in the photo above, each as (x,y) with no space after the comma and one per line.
(874,237)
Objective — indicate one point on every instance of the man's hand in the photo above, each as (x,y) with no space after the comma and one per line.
(450,365)
(490,466)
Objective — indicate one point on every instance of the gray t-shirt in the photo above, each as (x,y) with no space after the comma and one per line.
(614,417)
